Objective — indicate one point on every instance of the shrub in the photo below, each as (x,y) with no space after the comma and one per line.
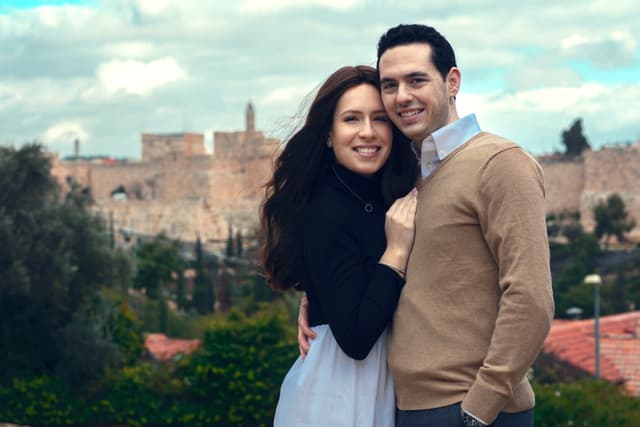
(585,403)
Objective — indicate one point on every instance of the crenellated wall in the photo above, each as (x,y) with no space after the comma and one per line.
(162,146)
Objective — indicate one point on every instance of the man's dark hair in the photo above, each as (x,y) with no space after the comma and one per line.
(442,54)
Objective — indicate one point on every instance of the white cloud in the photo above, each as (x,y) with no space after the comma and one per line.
(617,49)
(196,62)
(551,99)
(290,95)
(537,75)
(271,6)
(65,133)
(129,50)
(49,18)
(40,94)
(138,77)
(154,7)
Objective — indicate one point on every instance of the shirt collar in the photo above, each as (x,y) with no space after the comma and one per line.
(448,138)
(442,142)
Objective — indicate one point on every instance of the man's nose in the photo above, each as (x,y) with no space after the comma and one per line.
(404,94)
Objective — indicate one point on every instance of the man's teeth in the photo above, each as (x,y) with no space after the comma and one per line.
(366,150)
(409,113)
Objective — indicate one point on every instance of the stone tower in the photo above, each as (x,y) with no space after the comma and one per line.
(251,118)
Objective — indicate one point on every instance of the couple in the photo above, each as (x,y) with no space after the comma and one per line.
(457,268)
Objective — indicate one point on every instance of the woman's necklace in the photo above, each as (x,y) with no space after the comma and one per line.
(368,207)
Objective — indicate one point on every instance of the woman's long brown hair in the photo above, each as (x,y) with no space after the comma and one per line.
(301,162)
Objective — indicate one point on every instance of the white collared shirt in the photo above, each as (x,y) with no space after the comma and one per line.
(444,141)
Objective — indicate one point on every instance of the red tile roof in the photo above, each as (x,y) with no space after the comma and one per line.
(572,341)
(163,348)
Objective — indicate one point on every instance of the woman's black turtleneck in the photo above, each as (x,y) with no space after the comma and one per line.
(339,247)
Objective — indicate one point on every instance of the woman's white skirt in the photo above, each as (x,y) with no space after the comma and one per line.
(329,389)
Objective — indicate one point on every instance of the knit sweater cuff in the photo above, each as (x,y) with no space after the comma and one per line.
(483,402)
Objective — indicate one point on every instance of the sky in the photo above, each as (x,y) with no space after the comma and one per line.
(105,71)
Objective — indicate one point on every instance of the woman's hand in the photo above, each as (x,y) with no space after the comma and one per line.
(400,229)
(304,331)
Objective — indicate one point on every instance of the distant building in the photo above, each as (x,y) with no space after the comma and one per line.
(178,188)
(163,349)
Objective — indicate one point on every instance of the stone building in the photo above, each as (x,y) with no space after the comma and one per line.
(180,189)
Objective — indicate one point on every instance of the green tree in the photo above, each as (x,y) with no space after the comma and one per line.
(612,219)
(163,315)
(181,297)
(239,248)
(157,260)
(203,294)
(574,140)
(54,259)
(229,252)
(570,263)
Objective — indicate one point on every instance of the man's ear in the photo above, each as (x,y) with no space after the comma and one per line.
(454,78)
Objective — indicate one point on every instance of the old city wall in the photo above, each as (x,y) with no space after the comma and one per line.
(564,181)
(578,184)
(161,146)
(188,196)
(77,171)
(614,169)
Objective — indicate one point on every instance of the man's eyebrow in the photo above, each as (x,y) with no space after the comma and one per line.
(417,73)
(405,76)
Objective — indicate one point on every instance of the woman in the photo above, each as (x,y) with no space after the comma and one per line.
(324,221)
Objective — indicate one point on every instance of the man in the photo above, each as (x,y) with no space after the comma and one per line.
(477,303)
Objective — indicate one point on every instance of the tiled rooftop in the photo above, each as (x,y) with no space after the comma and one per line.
(163,348)
(572,341)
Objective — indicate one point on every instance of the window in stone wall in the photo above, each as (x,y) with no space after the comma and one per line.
(119,194)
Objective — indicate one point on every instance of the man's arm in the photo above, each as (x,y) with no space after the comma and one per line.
(512,218)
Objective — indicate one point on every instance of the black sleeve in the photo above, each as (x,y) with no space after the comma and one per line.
(357,294)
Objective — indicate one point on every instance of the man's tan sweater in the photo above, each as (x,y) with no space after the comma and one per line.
(477,304)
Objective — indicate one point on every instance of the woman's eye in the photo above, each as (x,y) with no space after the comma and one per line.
(350,119)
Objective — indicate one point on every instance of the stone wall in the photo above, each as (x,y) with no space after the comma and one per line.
(245,144)
(580,183)
(564,182)
(614,169)
(179,189)
(179,194)
(163,146)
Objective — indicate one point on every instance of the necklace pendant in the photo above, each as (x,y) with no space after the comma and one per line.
(368,208)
